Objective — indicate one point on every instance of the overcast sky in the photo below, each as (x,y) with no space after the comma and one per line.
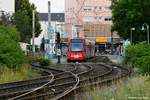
(7,5)
(42,5)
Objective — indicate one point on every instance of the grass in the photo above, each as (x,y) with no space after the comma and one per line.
(137,88)
(22,73)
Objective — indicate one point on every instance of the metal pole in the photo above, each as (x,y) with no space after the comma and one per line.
(51,37)
(59,61)
(58,47)
(147,28)
(55,26)
(147,33)
(112,42)
(131,35)
(49,13)
(33,32)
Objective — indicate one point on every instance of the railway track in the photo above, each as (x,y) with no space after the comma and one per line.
(59,88)
(113,73)
(61,82)
(49,89)
(9,90)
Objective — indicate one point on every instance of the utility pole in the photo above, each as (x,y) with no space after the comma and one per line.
(112,43)
(49,13)
(33,32)
(51,38)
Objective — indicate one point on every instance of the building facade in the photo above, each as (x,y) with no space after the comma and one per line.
(57,24)
(93,17)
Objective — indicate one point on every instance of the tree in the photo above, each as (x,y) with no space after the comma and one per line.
(10,51)
(23,20)
(5,18)
(128,14)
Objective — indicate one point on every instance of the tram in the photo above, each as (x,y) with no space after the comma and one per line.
(80,49)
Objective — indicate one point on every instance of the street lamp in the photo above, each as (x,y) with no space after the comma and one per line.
(132,29)
(147,28)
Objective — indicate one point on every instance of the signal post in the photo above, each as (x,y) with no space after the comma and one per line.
(58,45)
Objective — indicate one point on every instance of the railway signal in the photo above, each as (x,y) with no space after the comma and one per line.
(57,37)
(58,44)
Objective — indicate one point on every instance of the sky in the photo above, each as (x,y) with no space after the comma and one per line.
(7,5)
(42,5)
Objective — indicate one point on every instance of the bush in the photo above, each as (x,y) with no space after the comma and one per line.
(139,56)
(133,52)
(136,88)
(23,72)
(44,62)
(143,63)
(10,51)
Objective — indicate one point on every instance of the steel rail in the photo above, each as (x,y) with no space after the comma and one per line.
(7,85)
(78,81)
(68,91)
(47,84)
(34,83)
(90,68)
(75,82)
(106,74)
(35,89)
(119,75)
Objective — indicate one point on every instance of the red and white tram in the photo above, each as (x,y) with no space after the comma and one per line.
(80,49)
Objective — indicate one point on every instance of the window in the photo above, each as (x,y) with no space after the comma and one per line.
(100,17)
(107,9)
(100,8)
(108,18)
(76,45)
(88,18)
(96,17)
(87,9)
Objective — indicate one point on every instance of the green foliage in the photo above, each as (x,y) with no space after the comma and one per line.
(136,88)
(143,64)
(139,56)
(128,14)
(44,62)
(133,52)
(23,20)
(22,73)
(10,51)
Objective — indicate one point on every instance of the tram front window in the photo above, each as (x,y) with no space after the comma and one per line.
(76,47)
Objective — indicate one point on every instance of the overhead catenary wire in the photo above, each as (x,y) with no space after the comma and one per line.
(78,11)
